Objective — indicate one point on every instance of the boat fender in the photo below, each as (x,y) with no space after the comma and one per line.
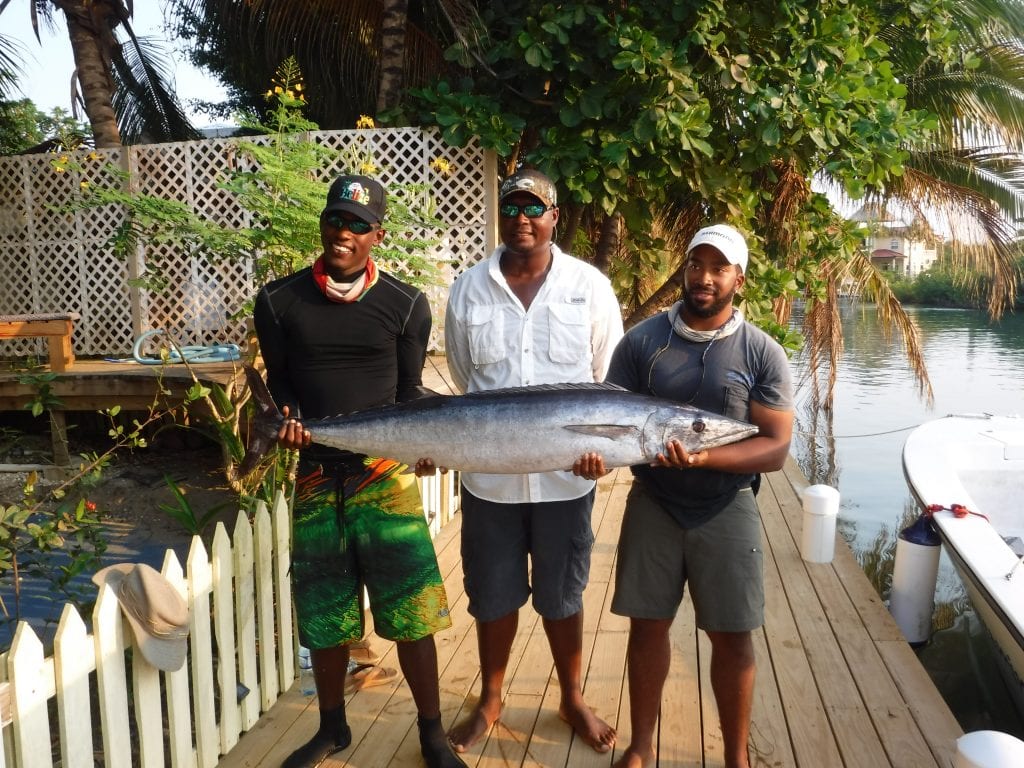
(915,572)
(988,749)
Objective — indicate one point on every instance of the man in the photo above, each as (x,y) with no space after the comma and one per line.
(691,518)
(338,337)
(529,314)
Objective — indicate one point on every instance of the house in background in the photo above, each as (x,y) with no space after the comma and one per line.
(894,244)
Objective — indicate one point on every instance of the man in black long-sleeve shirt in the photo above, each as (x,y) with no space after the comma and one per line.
(338,337)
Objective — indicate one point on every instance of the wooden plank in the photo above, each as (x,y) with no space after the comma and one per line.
(769,732)
(851,722)
(940,728)
(680,739)
(812,705)
(809,729)
(898,731)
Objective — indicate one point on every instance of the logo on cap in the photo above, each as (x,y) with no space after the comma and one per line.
(355,192)
(532,182)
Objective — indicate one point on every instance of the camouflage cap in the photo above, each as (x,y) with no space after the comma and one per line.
(532,182)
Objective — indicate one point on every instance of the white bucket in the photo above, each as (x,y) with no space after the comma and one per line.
(821,508)
(988,749)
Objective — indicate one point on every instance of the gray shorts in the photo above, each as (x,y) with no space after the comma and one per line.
(721,560)
(500,542)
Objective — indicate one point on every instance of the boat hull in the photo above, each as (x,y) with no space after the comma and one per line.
(977,463)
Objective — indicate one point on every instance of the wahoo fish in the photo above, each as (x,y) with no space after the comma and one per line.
(508,431)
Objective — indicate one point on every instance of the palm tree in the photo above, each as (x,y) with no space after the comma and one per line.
(356,57)
(122,87)
(969,176)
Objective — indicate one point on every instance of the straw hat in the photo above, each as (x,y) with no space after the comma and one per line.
(157,613)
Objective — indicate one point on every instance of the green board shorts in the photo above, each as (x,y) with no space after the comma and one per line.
(360,523)
(721,560)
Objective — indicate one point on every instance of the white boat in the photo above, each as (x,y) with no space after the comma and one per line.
(969,470)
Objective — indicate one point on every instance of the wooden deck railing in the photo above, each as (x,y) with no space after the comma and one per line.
(77,706)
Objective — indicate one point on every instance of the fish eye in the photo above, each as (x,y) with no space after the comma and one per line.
(698,426)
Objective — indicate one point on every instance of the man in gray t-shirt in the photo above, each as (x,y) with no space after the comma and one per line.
(691,518)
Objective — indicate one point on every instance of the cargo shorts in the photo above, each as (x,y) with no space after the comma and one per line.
(722,561)
(501,541)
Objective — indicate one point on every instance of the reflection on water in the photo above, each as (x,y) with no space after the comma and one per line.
(974,367)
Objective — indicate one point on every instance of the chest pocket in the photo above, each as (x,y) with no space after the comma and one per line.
(568,333)
(486,329)
(737,401)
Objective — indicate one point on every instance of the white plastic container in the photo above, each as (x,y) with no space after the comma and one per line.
(821,508)
(988,749)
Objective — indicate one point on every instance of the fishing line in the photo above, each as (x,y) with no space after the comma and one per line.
(866,434)
(444,378)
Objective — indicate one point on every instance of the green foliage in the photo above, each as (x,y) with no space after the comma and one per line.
(57,537)
(192,521)
(23,126)
(725,110)
(936,287)
(278,179)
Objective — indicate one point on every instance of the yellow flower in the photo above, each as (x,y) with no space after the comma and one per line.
(298,86)
(365,121)
(278,89)
(367,168)
(442,166)
(268,94)
(84,184)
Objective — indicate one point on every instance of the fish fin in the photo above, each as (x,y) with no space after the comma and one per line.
(266,423)
(609,431)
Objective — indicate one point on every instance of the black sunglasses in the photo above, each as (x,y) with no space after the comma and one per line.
(355,226)
(532,210)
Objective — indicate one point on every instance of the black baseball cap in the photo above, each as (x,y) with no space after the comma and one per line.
(359,195)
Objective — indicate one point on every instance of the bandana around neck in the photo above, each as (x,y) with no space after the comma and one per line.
(682,329)
(345,293)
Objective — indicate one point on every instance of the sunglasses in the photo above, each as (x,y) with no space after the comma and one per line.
(531,210)
(355,226)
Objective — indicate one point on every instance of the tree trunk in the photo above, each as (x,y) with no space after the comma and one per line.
(665,296)
(90,29)
(607,242)
(392,53)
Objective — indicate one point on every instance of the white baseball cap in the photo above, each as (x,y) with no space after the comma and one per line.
(726,240)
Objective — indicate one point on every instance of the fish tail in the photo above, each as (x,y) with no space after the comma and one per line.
(265,426)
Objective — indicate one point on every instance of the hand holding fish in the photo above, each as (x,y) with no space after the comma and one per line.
(590,465)
(675,455)
(292,434)
(426,467)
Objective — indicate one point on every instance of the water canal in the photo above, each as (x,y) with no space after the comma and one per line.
(975,367)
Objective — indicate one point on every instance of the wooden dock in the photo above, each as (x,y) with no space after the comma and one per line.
(836,686)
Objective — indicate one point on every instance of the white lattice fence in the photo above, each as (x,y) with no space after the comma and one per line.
(53,260)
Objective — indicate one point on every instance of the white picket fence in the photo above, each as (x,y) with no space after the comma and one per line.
(241,657)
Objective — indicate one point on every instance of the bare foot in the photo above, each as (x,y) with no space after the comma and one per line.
(633,758)
(469,731)
(588,726)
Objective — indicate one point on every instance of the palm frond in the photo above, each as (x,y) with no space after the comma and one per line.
(976,210)
(10,65)
(145,103)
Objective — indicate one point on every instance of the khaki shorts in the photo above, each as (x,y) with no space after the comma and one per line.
(721,560)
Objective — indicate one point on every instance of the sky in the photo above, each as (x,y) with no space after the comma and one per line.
(47,70)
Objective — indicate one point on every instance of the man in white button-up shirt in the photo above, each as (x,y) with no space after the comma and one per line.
(529,314)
